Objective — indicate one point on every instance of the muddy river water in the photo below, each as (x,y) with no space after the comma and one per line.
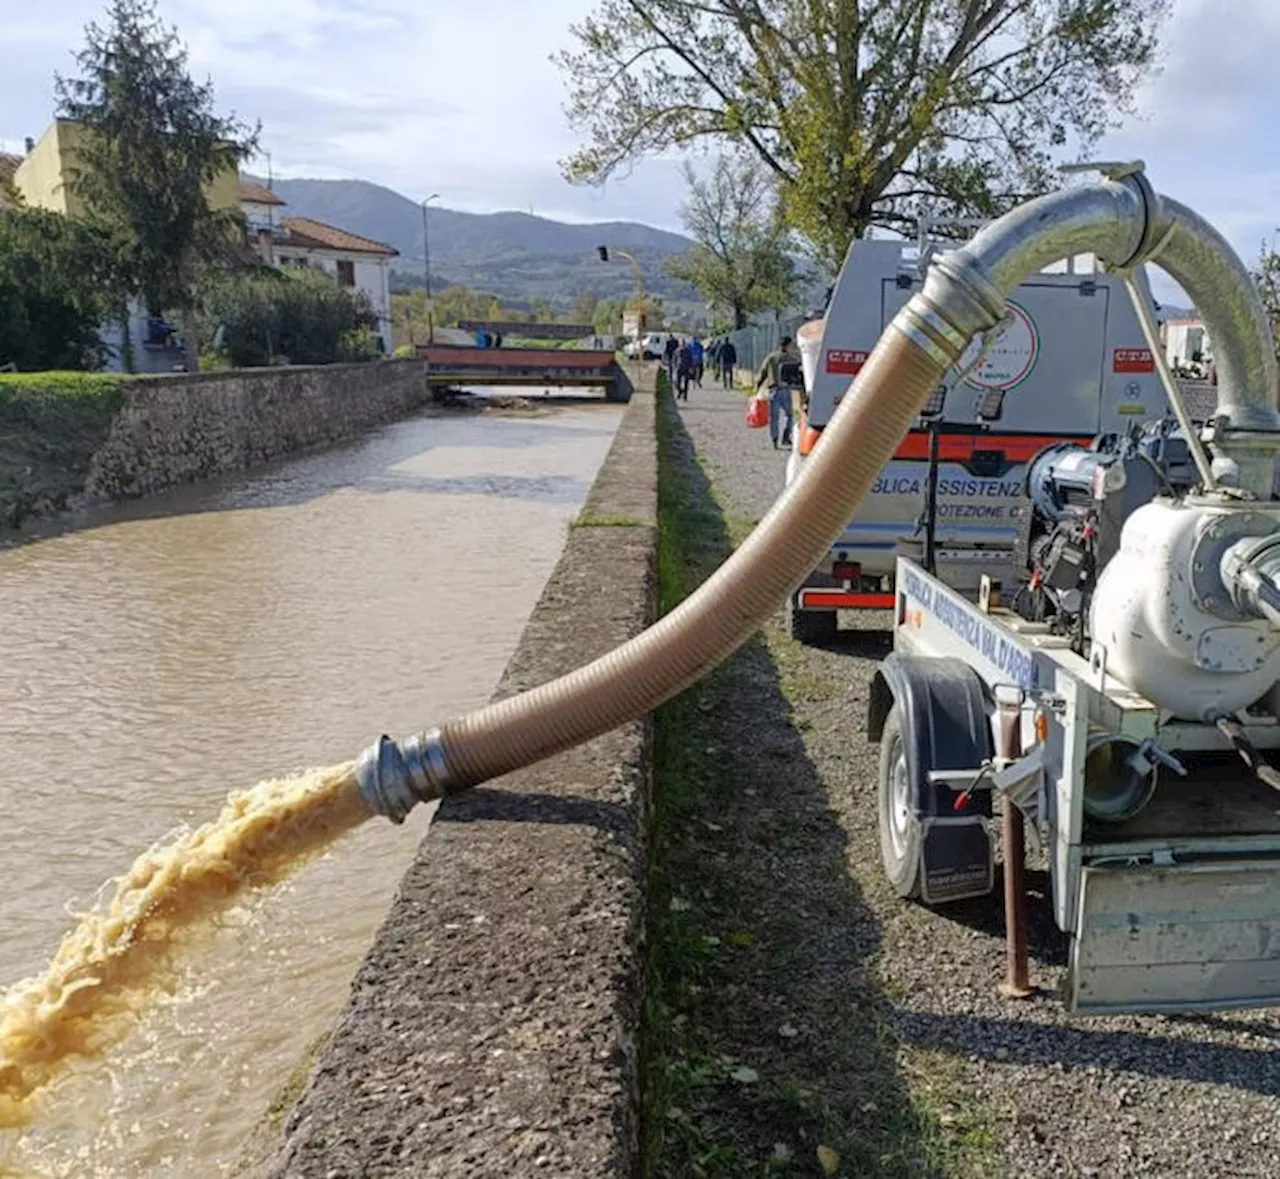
(159,655)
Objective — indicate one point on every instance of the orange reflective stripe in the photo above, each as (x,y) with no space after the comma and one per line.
(833,599)
(1017,448)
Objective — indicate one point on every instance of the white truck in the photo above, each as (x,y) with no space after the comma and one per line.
(1117,695)
(1071,363)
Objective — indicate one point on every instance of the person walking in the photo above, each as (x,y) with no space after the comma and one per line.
(780,373)
(669,350)
(728,358)
(684,371)
(699,360)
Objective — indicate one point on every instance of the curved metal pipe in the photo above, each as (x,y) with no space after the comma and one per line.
(1203,263)
(1121,221)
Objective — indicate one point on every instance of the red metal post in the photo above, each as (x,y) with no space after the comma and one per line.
(1017,981)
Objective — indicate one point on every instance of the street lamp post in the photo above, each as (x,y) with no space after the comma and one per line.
(604,252)
(426,267)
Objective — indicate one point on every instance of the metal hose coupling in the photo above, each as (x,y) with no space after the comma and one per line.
(1251,573)
(394,776)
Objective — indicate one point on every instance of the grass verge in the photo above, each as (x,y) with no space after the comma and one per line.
(766,1043)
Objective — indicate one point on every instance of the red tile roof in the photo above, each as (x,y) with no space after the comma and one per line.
(303,231)
(257,194)
(8,165)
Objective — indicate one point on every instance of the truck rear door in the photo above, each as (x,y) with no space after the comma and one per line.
(1041,382)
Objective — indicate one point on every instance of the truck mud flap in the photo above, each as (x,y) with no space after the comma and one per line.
(1185,938)
(944,727)
(956,859)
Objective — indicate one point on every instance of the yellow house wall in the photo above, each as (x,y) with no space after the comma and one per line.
(44,177)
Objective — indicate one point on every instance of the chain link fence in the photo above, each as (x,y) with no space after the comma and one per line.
(754,343)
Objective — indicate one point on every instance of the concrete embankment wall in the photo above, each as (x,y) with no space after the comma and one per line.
(492,1029)
(71,438)
(190,426)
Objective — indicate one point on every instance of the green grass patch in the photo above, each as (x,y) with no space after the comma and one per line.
(63,386)
(766,1030)
(587,520)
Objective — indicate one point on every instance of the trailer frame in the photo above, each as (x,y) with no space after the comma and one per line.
(1179,910)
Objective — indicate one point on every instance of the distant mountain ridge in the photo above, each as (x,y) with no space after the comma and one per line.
(518,256)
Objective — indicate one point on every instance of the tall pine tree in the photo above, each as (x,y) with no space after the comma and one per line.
(154,146)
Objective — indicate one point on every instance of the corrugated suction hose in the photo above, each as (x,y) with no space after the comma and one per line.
(720,616)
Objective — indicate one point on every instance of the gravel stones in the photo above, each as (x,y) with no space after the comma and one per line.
(1129,1095)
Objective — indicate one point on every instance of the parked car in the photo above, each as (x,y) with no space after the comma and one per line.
(647,347)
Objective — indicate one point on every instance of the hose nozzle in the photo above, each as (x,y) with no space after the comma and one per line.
(394,776)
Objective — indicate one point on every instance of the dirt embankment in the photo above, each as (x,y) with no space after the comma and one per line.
(51,425)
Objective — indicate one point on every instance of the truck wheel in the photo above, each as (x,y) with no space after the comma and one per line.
(899,824)
(812,627)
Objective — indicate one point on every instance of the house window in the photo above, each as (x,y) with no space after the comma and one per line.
(346,273)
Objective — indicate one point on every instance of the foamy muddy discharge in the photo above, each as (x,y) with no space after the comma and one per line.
(126,949)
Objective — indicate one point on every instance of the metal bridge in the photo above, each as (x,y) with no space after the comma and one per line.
(458,364)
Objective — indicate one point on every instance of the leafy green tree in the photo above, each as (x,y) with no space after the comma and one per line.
(262,316)
(739,262)
(59,280)
(154,146)
(866,111)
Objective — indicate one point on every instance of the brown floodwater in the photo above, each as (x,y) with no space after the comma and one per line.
(160,655)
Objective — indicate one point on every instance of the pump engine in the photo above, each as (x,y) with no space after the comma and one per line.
(1077,500)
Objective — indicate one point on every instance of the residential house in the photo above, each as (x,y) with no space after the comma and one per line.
(43,178)
(356,262)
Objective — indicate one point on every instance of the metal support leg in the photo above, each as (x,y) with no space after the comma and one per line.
(1017,982)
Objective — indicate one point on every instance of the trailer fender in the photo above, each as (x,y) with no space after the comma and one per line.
(942,718)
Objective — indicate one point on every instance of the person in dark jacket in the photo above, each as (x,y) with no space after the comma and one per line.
(699,360)
(684,371)
(669,350)
(781,374)
(728,361)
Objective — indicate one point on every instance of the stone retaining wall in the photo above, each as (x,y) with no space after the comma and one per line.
(190,426)
(493,1027)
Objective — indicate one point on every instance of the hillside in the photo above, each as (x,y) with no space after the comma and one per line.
(515,255)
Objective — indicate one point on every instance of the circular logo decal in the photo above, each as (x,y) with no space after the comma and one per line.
(1012,356)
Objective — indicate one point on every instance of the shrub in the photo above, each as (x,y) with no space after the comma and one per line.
(59,279)
(262,316)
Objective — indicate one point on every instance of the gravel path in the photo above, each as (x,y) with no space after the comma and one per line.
(1043,1094)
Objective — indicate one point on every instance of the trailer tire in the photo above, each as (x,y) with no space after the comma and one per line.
(899,824)
(813,628)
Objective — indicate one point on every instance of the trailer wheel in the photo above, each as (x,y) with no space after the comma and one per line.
(899,824)
(813,628)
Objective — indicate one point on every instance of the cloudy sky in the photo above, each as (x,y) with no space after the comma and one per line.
(462,99)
